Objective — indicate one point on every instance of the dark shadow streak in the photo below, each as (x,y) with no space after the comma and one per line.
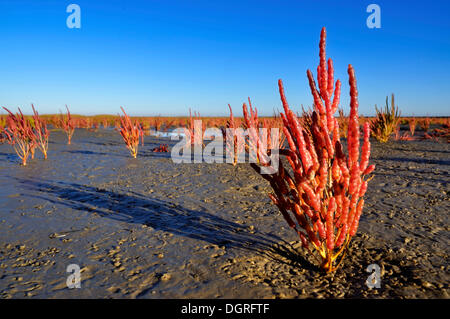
(10,157)
(87,152)
(159,214)
(419,150)
(411,178)
(414,160)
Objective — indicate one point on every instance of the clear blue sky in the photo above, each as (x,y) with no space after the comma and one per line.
(162,57)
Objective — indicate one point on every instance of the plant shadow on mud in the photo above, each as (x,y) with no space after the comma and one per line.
(10,157)
(158,214)
(410,178)
(162,215)
(274,256)
(414,160)
(88,153)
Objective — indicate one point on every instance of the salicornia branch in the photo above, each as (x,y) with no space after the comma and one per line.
(320,194)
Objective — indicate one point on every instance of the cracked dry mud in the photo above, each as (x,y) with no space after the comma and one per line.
(149,228)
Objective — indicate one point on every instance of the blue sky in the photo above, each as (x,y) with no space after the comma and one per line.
(164,57)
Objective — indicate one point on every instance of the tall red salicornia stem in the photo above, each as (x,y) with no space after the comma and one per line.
(130,131)
(321,195)
(193,132)
(2,134)
(41,133)
(234,140)
(20,134)
(68,125)
(141,132)
(412,126)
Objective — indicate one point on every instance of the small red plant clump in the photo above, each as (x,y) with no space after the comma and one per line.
(19,134)
(412,126)
(41,132)
(425,124)
(321,195)
(234,140)
(163,148)
(194,133)
(3,137)
(403,137)
(68,125)
(438,133)
(237,140)
(131,132)
(157,122)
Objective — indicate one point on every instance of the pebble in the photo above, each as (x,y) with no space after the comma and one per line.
(426,284)
(165,277)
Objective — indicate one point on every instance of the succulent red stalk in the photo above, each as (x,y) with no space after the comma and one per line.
(403,137)
(68,125)
(20,135)
(324,189)
(41,132)
(194,133)
(131,132)
(412,126)
(425,124)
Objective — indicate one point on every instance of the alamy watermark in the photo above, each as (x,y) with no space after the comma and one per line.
(374,280)
(73,280)
(374,19)
(73,21)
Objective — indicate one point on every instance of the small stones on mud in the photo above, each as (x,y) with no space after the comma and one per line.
(301,279)
(402,237)
(113,289)
(427,284)
(166,277)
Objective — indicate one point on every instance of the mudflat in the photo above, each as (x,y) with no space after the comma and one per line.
(150,228)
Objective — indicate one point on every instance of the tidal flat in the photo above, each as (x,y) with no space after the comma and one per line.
(150,228)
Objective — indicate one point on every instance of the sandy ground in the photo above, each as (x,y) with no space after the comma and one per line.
(149,228)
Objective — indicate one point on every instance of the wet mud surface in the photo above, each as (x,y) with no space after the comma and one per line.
(150,228)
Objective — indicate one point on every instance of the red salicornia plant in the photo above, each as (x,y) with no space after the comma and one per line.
(387,119)
(41,132)
(193,132)
(162,148)
(320,195)
(425,124)
(20,135)
(234,139)
(412,126)
(131,132)
(2,135)
(68,125)
(403,137)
